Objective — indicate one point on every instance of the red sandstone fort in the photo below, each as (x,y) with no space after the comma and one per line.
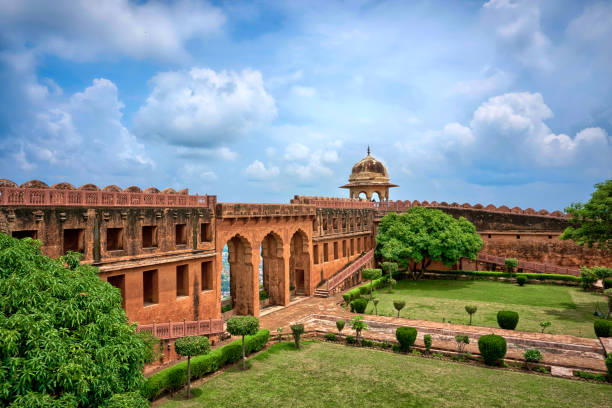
(163,249)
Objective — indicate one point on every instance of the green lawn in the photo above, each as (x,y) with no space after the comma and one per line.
(331,375)
(570,309)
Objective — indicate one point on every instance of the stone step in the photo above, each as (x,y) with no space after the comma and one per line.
(322,293)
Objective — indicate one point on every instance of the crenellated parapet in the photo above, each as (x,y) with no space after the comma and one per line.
(37,193)
(243,210)
(333,202)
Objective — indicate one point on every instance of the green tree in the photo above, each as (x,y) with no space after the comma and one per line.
(391,268)
(65,341)
(591,223)
(340,325)
(243,326)
(399,305)
(191,346)
(421,235)
(371,274)
(297,330)
(358,325)
(471,309)
(511,264)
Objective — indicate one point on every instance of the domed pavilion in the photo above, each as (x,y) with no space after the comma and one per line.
(369,176)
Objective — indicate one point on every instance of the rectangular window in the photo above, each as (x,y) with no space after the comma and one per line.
(314,225)
(336,250)
(352,246)
(359,245)
(25,234)
(207,275)
(74,240)
(118,281)
(344,248)
(518,237)
(149,236)
(335,223)
(315,253)
(150,289)
(182,280)
(325,252)
(114,239)
(205,232)
(180,234)
(324,224)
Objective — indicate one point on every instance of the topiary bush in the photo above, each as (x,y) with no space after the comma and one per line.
(507,319)
(330,336)
(359,305)
(350,339)
(406,337)
(176,379)
(492,348)
(399,305)
(521,280)
(603,328)
(511,264)
(347,298)
(297,330)
(364,290)
(428,342)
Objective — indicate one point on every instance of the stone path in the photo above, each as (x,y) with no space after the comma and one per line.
(557,349)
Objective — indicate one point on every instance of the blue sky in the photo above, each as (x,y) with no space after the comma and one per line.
(500,101)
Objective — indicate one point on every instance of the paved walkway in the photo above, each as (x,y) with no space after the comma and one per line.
(557,349)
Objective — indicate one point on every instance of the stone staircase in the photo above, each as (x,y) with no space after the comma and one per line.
(335,282)
(321,292)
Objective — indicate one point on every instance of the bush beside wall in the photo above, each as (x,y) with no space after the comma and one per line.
(533,276)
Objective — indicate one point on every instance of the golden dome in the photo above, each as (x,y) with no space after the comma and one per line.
(369,169)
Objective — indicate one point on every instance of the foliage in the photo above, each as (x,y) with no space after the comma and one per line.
(590,376)
(263,294)
(422,235)
(511,264)
(406,336)
(330,336)
(608,294)
(363,290)
(359,305)
(428,341)
(471,309)
(370,274)
(462,341)
(350,339)
(544,325)
(375,302)
(399,305)
(533,356)
(492,348)
(609,366)
(159,382)
(367,343)
(507,319)
(192,346)
(358,325)
(587,277)
(521,280)
(64,338)
(242,326)
(292,287)
(607,283)
(493,274)
(391,268)
(72,259)
(602,272)
(591,223)
(346,297)
(297,330)
(603,328)
(227,307)
(280,334)
(340,325)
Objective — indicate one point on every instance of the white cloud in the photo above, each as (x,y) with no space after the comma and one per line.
(227,154)
(258,171)
(592,30)
(203,108)
(83,30)
(493,81)
(296,151)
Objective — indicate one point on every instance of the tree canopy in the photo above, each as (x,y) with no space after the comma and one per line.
(64,339)
(591,223)
(422,235)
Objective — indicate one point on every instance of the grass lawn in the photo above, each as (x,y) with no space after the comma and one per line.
(331,375)
(570,309)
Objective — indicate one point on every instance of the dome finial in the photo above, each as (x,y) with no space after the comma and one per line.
(368,150)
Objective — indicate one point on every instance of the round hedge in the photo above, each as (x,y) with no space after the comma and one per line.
(603,328)
(359,305)
(507,319)
(521,280)
(192,346)
(492,348)
(406,337)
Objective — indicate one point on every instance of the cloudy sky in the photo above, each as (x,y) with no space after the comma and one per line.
(501,101)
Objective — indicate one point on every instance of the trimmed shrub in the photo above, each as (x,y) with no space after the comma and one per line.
(297,330)
(609,366)
(399,305)
(176,379)
(602,272)
(544,325)
(533,356)
(590,376)
(367,343)
(492,348)
(462,341)
(340,325)
(330,336)
(521,280)
(350,339)
(587,277)
(511,264)
(507,319)
(603,328)
(359,305)
(364,290)
(471,309)
(347,298)
(534,276)
(406,337)
(607,283)
(428,341)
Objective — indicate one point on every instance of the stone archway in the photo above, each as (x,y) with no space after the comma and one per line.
(241,276)
(299,263)
(273,268)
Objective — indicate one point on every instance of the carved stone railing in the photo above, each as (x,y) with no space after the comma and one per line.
(365,260)
(333,202)
(239,210)
(84,198)
(530,266)
(174,330)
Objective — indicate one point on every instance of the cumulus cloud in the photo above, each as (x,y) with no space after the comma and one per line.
(83,30)
(308,165)
(258,171)
(592,30)
(204,108)
(493,81)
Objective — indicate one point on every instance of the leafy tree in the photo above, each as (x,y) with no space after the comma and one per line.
(371,274)
(544,325)
(191,346)
(340,325)
(391,268)
(399,305)
(358,325)
(511,264)
(462,341)
(297,330)
(471,309)
(65,341)
(242,326)
(591,223)
(421,235)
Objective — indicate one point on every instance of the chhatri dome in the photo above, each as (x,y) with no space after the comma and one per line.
(369,176)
